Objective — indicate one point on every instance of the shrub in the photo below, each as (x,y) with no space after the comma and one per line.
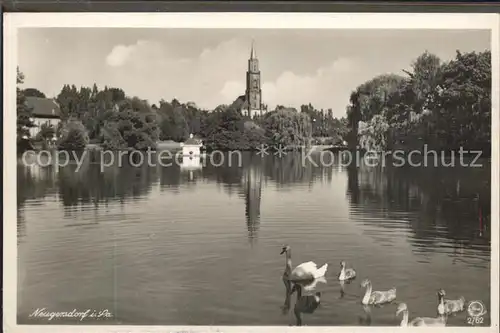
(73,136)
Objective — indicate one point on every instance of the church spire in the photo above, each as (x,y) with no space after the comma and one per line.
(252,52)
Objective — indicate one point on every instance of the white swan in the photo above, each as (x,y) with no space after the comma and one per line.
(346,273)
(447,307)
(376,297)
(305,271)
(419,321)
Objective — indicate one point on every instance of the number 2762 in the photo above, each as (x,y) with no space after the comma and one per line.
(475,320)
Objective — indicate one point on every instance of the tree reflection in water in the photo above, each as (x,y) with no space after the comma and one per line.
(438,204)
(444,207)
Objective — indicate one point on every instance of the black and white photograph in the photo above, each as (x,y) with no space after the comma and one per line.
(250,170)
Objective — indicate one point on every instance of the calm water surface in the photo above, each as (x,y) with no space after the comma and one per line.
(173,246)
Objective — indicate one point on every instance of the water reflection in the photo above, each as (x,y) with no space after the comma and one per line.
(446,209)
(252,192)
(366,318)
(308,299)
(343,286)
(91,185)
(388,217)
(288,293)
(34,182)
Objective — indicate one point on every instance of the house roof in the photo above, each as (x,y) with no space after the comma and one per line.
(244,106)
(43,107)
(192,141)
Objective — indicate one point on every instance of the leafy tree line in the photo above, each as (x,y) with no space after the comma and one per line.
(446,105)
(324,125)
(110,118)
(24,113)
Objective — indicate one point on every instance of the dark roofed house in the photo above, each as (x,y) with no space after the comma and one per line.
(45,111)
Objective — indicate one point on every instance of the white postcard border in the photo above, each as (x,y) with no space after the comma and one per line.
(14,21)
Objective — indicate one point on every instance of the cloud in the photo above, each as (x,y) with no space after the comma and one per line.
(143,52)
(152,70)
(231,90)
(326,88)
(119,55)
(216,75)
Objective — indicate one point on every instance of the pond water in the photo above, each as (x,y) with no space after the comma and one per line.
(201,245)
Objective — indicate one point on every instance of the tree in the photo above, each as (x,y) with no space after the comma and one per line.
(32,92)
(288,128)
(132,127)
(423,80)
(224,129)
(73,136)
(24,112)
(446,106)
(47,132)
(373,134)
(373,95)
(461,103)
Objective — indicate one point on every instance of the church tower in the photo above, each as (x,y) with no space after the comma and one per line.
(253,93)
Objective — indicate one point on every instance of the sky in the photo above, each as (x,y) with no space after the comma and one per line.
(208,66)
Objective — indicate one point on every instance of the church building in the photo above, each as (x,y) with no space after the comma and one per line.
(252,105)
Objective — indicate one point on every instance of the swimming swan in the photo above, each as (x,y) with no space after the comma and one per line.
(419,321)
(305,271)
(449,306)
(376,297)
(346,273)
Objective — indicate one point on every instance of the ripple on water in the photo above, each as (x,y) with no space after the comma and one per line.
(205,253)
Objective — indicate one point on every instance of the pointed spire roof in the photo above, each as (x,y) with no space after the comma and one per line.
(252,52)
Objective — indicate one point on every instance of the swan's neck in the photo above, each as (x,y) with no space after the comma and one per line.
(342,272)
(288,262)
(288,286)
(404,322)
(368,292)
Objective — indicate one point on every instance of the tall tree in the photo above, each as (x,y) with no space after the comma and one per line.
(131,127)
(32,92)
(288,128)
(24,112)
(461,104)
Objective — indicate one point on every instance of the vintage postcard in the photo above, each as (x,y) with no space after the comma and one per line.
(250,172)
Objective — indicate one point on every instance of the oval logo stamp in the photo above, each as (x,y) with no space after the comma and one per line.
(476,309)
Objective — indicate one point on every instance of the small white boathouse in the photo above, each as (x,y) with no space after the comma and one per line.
(191,147)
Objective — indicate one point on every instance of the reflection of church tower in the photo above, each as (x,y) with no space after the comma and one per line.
(253,93)
(352,184)
(252,187)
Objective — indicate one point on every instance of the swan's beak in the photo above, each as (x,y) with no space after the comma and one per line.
(283,250)
(398,311)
